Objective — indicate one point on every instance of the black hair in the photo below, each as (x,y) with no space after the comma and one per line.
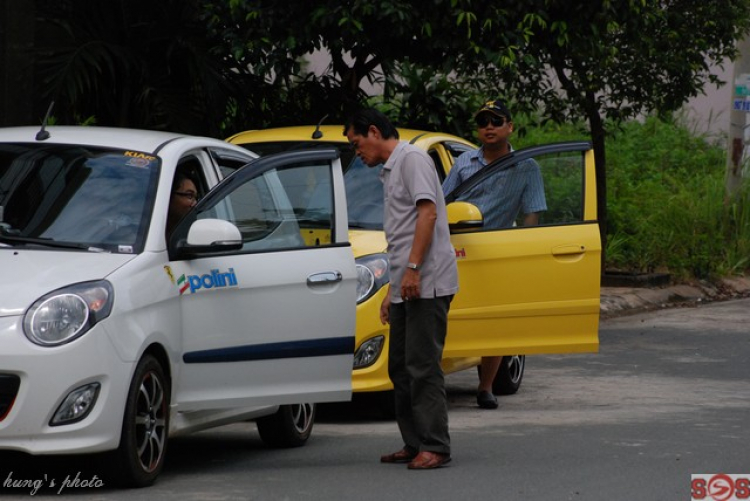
(181,175)
(361,121)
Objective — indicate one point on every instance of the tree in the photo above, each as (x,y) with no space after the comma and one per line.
(365,39)
(603,62)
(130,63)
(608,61)
(240,64)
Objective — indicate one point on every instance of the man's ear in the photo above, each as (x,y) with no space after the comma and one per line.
(374,131)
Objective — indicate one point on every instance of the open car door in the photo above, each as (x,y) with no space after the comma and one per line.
(267,282)
(529,289)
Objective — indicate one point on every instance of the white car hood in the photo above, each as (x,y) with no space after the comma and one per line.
(29,274)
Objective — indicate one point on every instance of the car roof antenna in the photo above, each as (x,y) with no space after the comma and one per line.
(43,134)
(317,134)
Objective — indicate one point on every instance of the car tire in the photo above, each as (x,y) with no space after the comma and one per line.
(145,427)
(509,375)
(290,426)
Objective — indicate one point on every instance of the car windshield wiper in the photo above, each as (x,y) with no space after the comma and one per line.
(46,242)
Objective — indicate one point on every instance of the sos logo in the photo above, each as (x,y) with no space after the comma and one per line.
(720,486)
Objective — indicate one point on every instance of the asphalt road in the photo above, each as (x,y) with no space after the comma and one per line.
(666,397)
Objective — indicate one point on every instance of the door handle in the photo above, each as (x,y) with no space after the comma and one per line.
(568,250)
(324,278)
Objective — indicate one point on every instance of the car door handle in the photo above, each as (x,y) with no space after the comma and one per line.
(324,278)
(568,250)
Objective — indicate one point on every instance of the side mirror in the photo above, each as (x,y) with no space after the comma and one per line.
(209,236)
(463,216)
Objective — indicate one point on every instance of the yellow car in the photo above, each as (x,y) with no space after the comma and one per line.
(522,290)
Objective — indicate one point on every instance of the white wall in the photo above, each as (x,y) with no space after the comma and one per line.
(710,113)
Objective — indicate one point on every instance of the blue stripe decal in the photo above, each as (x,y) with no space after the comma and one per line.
(270,351)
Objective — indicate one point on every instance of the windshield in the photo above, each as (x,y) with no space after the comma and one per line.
(364,190)
(73,196)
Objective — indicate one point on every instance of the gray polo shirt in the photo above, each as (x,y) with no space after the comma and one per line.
(408,176)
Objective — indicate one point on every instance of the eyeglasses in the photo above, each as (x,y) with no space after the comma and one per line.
(484,120)
(193,197)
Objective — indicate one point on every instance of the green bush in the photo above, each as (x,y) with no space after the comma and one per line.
(665,201)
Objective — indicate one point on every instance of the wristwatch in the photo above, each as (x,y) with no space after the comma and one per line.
(413,266)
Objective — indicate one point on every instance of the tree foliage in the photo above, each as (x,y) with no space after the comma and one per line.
(368,42)
(607,61)
(130,63)
(218,66)
(603,61)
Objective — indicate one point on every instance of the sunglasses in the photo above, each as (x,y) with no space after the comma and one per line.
(484,121)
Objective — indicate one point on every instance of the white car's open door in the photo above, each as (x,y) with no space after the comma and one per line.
(267,282)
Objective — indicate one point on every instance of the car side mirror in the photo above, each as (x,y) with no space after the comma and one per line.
(209,236)
(463,216)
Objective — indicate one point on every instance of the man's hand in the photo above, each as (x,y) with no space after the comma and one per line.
(385,309)
(410,288)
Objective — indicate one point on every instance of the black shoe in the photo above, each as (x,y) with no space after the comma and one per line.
(486,400)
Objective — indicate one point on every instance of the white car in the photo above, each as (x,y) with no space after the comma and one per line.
(114,337)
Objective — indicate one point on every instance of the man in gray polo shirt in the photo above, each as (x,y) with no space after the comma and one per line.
(424,279)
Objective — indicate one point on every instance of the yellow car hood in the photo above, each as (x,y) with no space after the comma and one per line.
(366,242)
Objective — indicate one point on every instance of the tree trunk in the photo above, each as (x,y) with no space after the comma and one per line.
(598,136)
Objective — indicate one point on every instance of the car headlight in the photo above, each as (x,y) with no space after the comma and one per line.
(372,274)
(66,314)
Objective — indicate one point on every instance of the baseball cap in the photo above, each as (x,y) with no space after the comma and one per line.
(496,107)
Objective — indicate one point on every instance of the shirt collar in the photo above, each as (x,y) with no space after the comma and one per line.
(478,154)
(394,155)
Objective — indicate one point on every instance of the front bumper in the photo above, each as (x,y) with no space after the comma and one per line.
(46,375)
(373,377)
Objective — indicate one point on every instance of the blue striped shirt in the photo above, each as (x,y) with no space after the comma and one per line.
(503,195)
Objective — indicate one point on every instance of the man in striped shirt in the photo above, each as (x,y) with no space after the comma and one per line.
(500,197)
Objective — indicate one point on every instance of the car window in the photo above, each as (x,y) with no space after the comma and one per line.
(192,167)
(457,149)
(364,195)
(71,194)
(563,175)
(271,147)
(549,184)
(285,208)
(227,161)
(440,167)
(364,190)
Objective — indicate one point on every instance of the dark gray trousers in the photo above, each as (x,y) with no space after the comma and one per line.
(417,337)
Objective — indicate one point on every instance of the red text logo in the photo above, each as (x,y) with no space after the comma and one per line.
(719,486)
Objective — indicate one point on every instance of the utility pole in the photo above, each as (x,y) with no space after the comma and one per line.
(740,108)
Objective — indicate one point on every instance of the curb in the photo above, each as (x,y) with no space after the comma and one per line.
(625,300)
